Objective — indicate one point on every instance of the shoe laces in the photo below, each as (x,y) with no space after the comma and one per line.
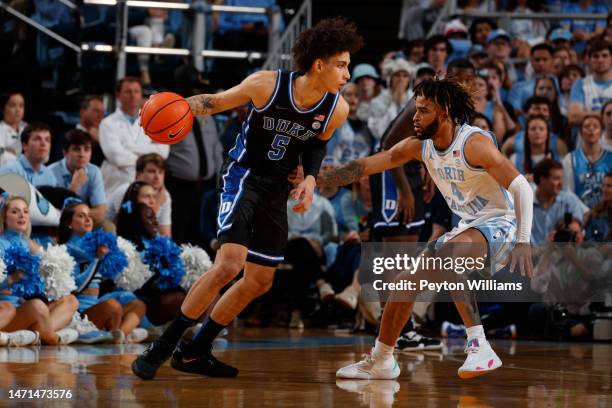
(366,358)
(158,351)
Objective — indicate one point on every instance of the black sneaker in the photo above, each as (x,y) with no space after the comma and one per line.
(412,341)
(145,366)
(203,364)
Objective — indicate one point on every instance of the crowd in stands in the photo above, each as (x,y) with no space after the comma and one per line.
(544,90)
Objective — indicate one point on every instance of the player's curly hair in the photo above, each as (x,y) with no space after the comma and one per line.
(329,37)
(451,96)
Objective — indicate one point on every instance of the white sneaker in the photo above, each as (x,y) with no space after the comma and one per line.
(481,359)
(326,292)
(371,369)
(296,320)
(4,339)
(348,298)
(138,335)
(88,331)
(21,338)
(67,335)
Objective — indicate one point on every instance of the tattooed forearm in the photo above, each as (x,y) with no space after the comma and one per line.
(201,104)
(341,176)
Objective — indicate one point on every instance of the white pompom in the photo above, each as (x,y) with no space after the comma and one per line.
(196,262)
(56,269)
(2,272)
(136,273)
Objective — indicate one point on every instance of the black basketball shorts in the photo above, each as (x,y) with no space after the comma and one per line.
(253,212)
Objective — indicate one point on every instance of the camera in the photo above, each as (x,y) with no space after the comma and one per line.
(565,234)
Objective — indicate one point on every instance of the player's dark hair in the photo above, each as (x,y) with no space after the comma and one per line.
(449,95)
(329,37)
(543,169)
(76,137)
(33,127)
(527,162)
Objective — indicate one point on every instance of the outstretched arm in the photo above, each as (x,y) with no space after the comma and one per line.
(403,152)
(481,152)
(255,88)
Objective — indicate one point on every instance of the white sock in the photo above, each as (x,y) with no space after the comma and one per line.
(382,351)
(475,331)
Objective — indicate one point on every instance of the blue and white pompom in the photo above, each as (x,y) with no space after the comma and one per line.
(56,268)
(114,261)
(196,262)
(19,259)
(136,273)
(163,255)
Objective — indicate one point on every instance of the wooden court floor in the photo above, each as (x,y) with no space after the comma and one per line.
(281,368)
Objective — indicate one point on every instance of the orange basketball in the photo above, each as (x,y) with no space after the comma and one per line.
(166,118)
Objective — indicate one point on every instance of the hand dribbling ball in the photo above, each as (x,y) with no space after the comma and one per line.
(166,118)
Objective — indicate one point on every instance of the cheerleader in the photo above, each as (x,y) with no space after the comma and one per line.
(25,287)
(98,258)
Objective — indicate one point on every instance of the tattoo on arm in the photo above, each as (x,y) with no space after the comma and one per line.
(201,104)
(341,176)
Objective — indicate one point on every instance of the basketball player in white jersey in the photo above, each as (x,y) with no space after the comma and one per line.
(480,185)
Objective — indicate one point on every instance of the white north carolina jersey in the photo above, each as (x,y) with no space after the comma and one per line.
(471,193)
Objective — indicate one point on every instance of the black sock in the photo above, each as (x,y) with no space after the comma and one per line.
(203,339)
(174,332)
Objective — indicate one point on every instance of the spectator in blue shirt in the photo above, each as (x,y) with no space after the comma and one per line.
(588,95)
(550,203)
(584,30)
(36,145)
(76,173)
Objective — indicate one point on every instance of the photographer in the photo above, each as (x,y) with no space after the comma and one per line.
(566,276)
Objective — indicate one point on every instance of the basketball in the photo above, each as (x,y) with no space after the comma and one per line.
(166,118)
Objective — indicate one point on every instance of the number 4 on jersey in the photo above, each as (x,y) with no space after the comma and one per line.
(278,147)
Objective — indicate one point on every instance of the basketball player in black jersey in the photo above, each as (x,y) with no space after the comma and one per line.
(292,116)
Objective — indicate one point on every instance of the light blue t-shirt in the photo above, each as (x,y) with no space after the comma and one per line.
(577,94)
(544,220)
(41,177)
(92,191)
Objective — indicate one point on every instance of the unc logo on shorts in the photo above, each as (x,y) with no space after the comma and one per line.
(225,207)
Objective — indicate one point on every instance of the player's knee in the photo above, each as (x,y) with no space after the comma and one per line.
(226,272)
(260,285)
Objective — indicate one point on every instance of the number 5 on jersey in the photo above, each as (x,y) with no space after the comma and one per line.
(278,147)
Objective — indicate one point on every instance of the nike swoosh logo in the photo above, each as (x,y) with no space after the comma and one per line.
(188,360)
(173,135)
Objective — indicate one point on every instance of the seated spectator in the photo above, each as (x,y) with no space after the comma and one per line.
(437,51)
(368,83)
(567,77)
(119,312)
(487,101)
(598,225)
(536,147)
(122,139)
(481,121)
(550,202)
(584,30)
(385,107)
(585,167)
(150,171)
(424,73)
(11,126)
(136,222)
(606,117)
(91,113)
(530,31)
(498,46)
(151,34)
(49,319)
(36,144)
(547,88)
(542,65)
(480,29)
(415,51)
(76,173)
(353,139)
(589,94)
(417,19)
(561,59)
(536,106)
